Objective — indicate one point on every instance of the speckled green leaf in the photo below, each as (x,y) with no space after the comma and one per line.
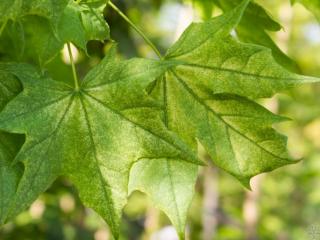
(199,102)
(9,145)
(92,136)
(207,52)
(205,96)
(168,182)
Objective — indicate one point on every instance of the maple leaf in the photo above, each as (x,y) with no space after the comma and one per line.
(206,96)
(92,136)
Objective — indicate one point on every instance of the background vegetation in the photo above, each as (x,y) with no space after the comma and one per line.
(284,204)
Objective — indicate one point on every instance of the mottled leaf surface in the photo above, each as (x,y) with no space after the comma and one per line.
(135,125)
(205,96)
(93,136)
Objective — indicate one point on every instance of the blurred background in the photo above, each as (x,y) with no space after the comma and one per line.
(284,204)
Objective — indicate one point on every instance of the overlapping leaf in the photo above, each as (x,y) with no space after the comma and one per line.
(93,136)
(9,145)
(253,28)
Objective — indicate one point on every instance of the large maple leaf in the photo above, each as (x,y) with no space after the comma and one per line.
(92,135)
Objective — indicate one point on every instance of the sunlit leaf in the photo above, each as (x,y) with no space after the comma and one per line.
(92,135)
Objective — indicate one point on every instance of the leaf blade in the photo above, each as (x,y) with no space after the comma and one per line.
(67,134)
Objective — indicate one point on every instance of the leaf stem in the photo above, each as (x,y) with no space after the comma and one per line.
(3,26)
(136,28)
(74,72)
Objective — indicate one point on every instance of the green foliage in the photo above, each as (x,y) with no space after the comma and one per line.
(312,5)
(136,124)
(9,145)
(201,89)
(17,9)
(45,26)
(257,20)
(86,19)
(68,128)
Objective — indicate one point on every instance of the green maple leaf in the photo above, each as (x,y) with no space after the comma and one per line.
(205,96)
(9,145)
(93,135)
(253,28)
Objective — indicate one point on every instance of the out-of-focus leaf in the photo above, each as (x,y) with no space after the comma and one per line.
(17,9)
(312,5)
(78,22)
